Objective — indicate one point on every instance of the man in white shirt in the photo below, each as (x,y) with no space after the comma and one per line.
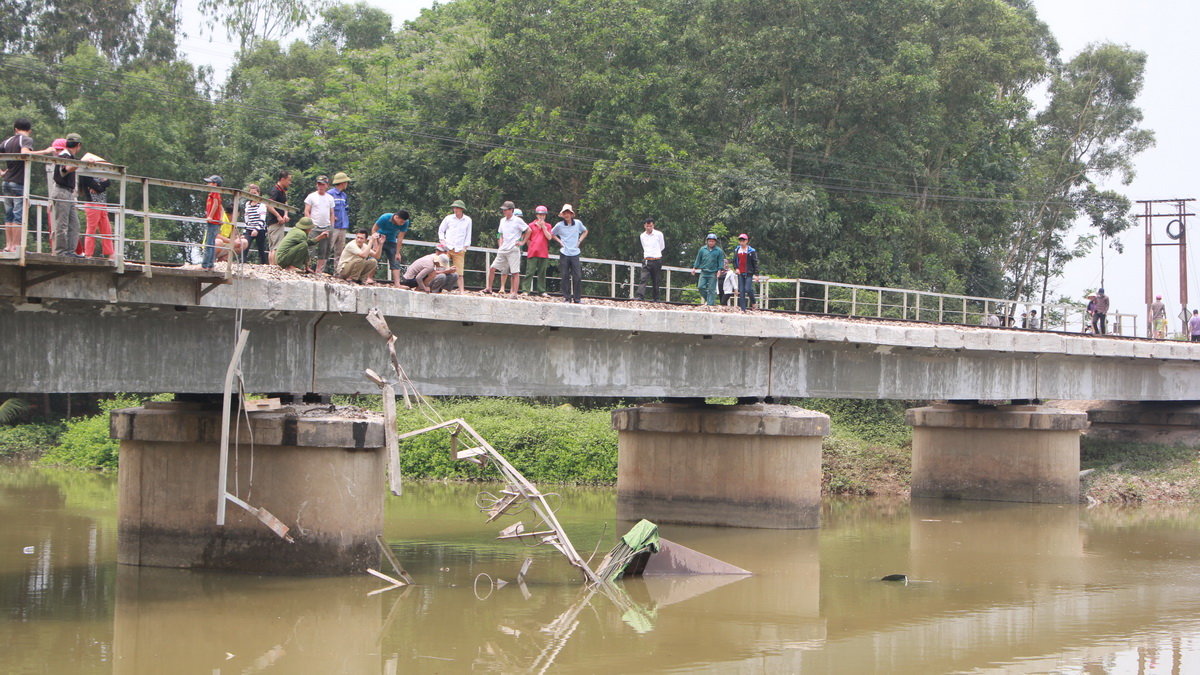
(652,250)
(511,235)
(455,234)
(319,206)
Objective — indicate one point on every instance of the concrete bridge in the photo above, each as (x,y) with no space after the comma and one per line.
(77,327)
(82,327)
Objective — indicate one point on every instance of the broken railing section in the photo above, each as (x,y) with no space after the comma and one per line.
(519,494)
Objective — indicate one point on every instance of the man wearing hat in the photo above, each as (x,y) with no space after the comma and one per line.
(292,251)
(341,213)
(511,235)
(214,215)
(430,273)
(455,233)
(570,233)
(318,206)
(538,252)
(709,261)
(1158,317)
(95,210)
(62,194)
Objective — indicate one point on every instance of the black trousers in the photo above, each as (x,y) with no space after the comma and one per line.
(571,268)
(652,273)
(258,241)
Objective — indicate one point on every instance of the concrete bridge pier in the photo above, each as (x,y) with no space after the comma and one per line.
(319,473)
(735,466)
(1020,453)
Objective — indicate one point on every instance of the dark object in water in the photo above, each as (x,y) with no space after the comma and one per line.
(895,577)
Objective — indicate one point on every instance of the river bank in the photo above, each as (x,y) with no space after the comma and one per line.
(868,452)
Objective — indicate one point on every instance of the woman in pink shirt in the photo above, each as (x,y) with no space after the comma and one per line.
(538,252)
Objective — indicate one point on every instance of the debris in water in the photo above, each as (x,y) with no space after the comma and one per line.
(896,577)
(28,550)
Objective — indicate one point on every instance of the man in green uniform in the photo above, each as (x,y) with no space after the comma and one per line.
(709,261)
(292,251)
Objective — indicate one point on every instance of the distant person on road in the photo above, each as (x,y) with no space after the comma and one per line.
(360,258)
(455,233)
(292,252)
(341,213)
(1194,325)
(20,143)
(709,261)
(652,252)
(318,206)
(277,218)
(1158,318)
(95,209)
(214,216)
(1100,313)
(431,273)
(1035,323)
(570,233)
(745,265)
(538,252)
(393,227)
(256,224)
(511,235)
(62,193)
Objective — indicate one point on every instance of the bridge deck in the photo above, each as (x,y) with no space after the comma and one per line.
(92,330)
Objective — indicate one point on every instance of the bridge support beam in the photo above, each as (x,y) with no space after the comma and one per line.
(319,473)
(1158,422)
(996,453)
(735,466)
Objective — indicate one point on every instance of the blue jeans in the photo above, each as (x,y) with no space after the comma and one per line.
(745,290)
(13,202)
(210,245)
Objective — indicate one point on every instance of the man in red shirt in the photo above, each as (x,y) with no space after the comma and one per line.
(214,213)
(745,264)
(538,252)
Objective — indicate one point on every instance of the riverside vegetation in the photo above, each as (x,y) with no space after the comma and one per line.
(868,452)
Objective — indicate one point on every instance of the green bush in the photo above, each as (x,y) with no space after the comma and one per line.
(554,444)
(28,440)
(85,444)
(880,422)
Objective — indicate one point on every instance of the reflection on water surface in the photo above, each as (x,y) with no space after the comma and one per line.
(992,588)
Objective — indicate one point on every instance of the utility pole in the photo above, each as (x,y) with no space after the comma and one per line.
(1178,221)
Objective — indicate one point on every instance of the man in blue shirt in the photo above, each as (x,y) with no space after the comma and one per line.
(393,227)
(341,213)
(570,233)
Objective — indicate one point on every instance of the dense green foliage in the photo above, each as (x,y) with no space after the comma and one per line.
(895,143)
(85,443)
(28,440)
(1139,472)
(554,444)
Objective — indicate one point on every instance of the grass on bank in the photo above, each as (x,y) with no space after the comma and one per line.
(1133,473)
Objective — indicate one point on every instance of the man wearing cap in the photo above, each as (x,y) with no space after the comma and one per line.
(214,215)
(430,273)
(745,265)
(62,193)
(341,213)
(570,233)
(511,235)
(318,205)
(455,233)
(709,261)
(1100,314)
(292,252)
(1158,317)
(20,143)
(538,252)
(95,211)
(652,250)
(360,258)
(393,227)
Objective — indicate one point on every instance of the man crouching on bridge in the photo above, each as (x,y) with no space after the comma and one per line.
(292,251)
(430,273)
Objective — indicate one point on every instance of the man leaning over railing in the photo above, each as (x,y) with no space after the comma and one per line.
(21,142)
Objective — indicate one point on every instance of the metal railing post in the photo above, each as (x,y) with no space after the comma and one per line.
(940,299)
(918,308)
(631,284)
(797,295)
(146,262)
(119,251)
(853,301)
(612,270)
(826,306)
(667,297)
(25,213)
(879,304)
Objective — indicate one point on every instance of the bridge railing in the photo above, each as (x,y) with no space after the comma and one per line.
(131,236)
(601,277)
(618,279)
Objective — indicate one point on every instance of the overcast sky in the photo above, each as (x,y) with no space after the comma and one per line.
(1161,28)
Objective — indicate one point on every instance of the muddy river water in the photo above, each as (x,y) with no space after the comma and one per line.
(992,588)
